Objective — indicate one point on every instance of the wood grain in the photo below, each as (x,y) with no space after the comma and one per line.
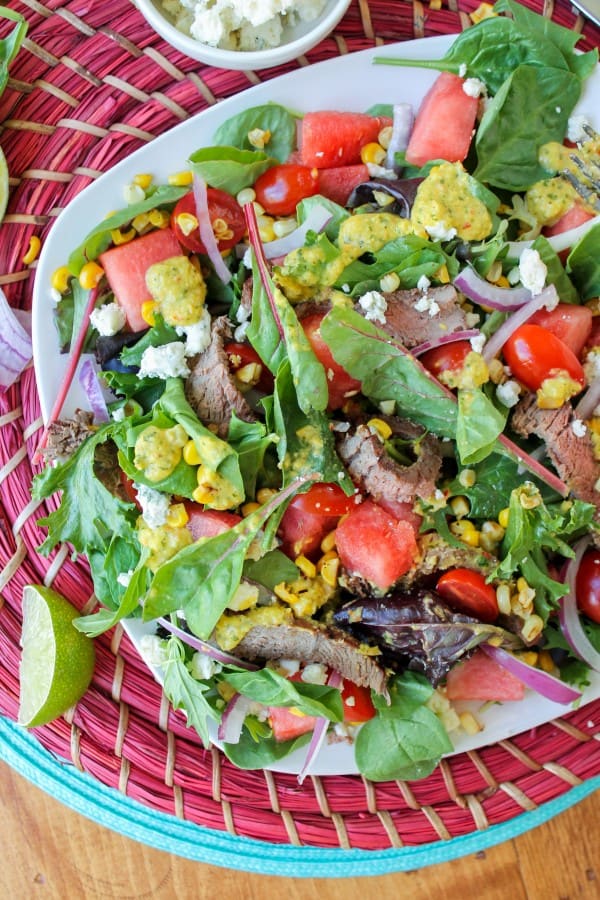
(51,852)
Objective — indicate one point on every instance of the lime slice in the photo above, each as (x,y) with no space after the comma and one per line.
(3,184)
(57,662)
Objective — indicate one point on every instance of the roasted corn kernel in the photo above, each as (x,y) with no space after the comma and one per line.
(147,311)
(372,153)
(177,516)
(90,275)
(33,250)
(143,180)
(190,454)
(181,179)
(60,279)
(305,565)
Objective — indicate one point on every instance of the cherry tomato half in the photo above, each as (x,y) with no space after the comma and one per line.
(534,354)
(358,706)
(225,214)
(569,322)
(325,499)
(467,591)
(241,355)
(587,585)
(340,384)
(208,522)
(446,358)
(280,189)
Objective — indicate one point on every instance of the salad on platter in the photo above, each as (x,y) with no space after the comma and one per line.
(341,456)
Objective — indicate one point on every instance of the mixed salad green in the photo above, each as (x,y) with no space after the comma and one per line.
(348,463)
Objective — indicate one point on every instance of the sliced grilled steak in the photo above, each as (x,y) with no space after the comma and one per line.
(411,327)
(571,454)
(210,387)
(65,436)
(309,643)
(375,472)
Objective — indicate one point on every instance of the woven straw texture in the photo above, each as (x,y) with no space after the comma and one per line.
(91,84)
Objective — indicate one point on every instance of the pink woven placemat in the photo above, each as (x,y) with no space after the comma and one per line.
(91,84)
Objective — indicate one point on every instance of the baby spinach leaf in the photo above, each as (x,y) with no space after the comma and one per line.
(266,686)
(542,27)
(305,442)
(412,735)
(250,440)
(159,334)
(388,371)
(186,693)
(491,50)
(271,569)
(410,257)
(338,213)
(269,117)
(99,622)
(98,239)
(257,748)
(513,128)
(478,426)
(228,168)
(583,264)
(495,478)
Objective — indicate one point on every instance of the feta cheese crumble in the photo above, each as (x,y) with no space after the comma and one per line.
(167,361)
(578,428)
(202,666)
(241,24)
(197,336)
(155,505)
(374,305)
(576,129)
(108,319)
(477,342)
(532,271)
(439,231)
(153,650)
(508,393)
(473,87)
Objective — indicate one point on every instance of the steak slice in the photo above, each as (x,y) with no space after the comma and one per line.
(411,327)
(65,436)
(572,454)
(210,387)
(376,473)
(307,642)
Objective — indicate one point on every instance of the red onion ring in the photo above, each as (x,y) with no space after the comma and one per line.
(445,339)
(232,721)
(219,656)
(590,400)
(570,621)
(558,242)
(402,125)
(207,235)
(89,381)
(476,288)
(15,342)
(319,734)
(499,338)
(547,685)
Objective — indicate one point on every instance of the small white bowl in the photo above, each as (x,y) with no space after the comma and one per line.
(296,40)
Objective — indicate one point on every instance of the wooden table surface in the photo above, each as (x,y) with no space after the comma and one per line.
(52,852)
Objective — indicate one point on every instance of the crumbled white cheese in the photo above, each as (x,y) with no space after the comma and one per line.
(477,342)
(289,666)
(241,24)
(346,288)
(240,332)
(423,284)
(108,319)
(578,428)
(167,361)
(203,667)
(576,129)
(462,70)
(472,319)
(376,171)
(473,87)
(123,578)
(439,231)
(532,271)
(155,505)
(197,336)
(242,313)
(153,650)
(314,673)
(340,427)
(427,304)
(374,305)
(508,393)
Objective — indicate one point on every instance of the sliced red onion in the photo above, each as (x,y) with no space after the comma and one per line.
(547,685)
(319,733)
(207,235)
(590,400)
(558,242)
(402,125)
(232,721)
(445,339)
(570,621)
(481,291)
(547,297)
(15,342)
(88,378)
(317,219)
(214,652)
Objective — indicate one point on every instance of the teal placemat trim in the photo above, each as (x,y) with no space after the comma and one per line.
(112,809)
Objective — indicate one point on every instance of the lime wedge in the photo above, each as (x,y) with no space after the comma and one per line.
(3,184)
(57,662)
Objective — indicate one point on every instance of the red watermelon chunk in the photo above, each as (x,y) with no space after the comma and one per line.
(444,125)
(288,724)
(332,139)
(126,266)
(482,678)
(337,184)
